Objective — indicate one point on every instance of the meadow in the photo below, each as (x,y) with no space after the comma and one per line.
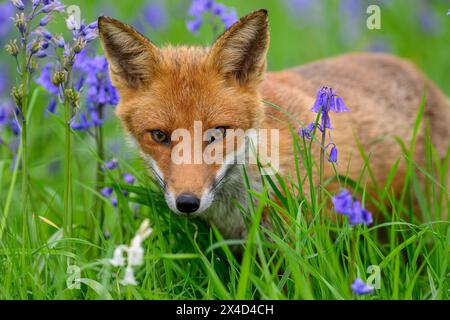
(72,189)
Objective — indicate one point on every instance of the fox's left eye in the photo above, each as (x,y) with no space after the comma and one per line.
(216,134)
(159,136)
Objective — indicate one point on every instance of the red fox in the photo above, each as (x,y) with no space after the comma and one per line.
(224,86)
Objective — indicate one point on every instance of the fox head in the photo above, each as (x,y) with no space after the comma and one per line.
(165,90)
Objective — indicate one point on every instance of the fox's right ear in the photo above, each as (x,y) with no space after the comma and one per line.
(132,57)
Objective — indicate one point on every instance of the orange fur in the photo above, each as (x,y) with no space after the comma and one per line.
(171,87)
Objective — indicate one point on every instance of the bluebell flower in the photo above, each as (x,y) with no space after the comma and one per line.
(45,20)
(114,202)
(82,124)
(128,178)
(326,101)
(305,12)
(111,165)
(359,215)
(333,154)
(18,4)
(429,21)
(6,11)
(15,127)
(307,131)
(199,8)
(51,106)
(51,6)
(59,41)
(360,288)
(194,25)
(45,79)
(352,12)
(344,204)
(155,15)
(107,192)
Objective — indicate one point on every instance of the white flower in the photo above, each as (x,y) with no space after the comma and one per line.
(118,258)
(135,253)
(129,279)
(144,230)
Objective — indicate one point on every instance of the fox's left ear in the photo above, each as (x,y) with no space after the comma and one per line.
(240,52)
(133,59)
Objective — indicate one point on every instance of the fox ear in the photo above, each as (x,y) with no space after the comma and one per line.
(240,52)
(132,57)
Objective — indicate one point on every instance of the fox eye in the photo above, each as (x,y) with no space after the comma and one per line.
(159,136)
(216,134)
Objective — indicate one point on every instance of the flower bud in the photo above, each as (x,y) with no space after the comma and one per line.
(17,94)
(59,41)
(12,48)
(72,96)
(20,22)
(35,46)
(58,78)
(80,43)
(45,20)
(32,66)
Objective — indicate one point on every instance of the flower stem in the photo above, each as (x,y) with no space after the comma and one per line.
(24,137)
(322,167)
(98,203)
(68,164)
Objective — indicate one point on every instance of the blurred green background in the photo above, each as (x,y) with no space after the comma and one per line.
(306,30)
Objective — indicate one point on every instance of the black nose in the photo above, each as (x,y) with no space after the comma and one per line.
(187,203)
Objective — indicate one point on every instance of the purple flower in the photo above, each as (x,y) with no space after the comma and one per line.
(194,25)
(229,18)
(428,19)
(18,4)
(114,202)
(306,132)
(333,154)
(360,215)
(155,15)
(51,107)
(59,41)
(198,8)
(327,100)
(344,204)
(81,125)
(45,20)
(128,178)
(6,11)
(107,192)
(45,79)
(50,6)
(15,127)
(111,165)
(360,288)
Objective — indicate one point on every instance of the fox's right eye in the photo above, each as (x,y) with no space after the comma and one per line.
(159,136)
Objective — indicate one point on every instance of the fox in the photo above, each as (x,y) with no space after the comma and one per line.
(225,87)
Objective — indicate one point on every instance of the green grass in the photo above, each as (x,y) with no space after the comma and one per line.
(311,253)
(306,255)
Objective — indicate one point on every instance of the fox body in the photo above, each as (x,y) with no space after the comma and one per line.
(224,86)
